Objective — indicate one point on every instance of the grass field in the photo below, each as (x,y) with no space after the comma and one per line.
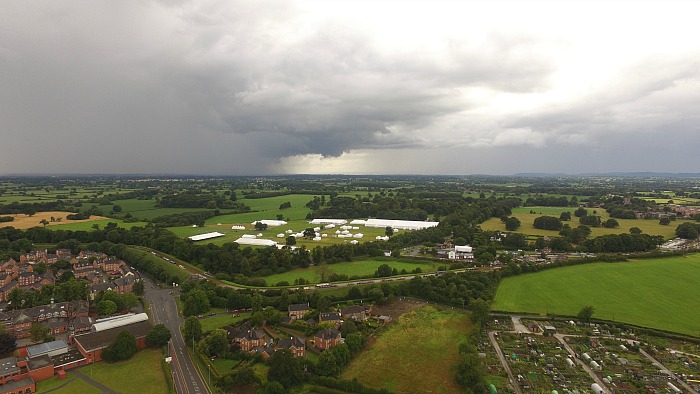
(423,343)
(349,268)
(72,385)
(144,372)
(658,293)
(211,323)
(648,226)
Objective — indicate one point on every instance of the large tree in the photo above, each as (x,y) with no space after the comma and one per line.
(585,314)
(8,343)
(193,328)
(122,348)
(39,332)
(285,369)
(196,303)
(158,336)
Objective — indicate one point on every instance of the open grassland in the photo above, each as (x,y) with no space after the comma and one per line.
(415,355)
(70,385)
(657,293)
(142,373)
(648,226)
(349,268)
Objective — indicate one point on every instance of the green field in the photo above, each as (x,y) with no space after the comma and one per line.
(88,226)
(68,386)
(211,323)
(144,372)
(657,293)
(350,268)
(648,226)
(415,355)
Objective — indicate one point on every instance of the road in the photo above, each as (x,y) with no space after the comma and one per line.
(164,310)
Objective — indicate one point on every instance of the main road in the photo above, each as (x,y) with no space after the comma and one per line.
(186,377)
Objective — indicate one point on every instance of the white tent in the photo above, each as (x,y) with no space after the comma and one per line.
(255,242)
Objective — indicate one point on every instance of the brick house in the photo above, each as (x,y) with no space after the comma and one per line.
(294,344)
(251,339)
(327,338)
(297,311)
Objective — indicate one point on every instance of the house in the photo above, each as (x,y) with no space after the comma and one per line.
(251,339)
(356,312)
(27,278)
(295,345)
(297,311)
(327,338)
(332,317)
(124,284)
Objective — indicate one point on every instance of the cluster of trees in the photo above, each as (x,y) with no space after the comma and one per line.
(110,302)
(688,230)
(551,201)
(196,200)
(548,223)
(379,207)
(623,243)
(185,218)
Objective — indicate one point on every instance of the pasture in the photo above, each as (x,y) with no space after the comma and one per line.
(360,268)
(424,343)
(648,226)
(657,293)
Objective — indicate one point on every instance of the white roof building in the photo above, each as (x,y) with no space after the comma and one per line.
(271,223)
(202,237)
(400,224)
(106,324)
(237,227)
(329,221)
(463,249)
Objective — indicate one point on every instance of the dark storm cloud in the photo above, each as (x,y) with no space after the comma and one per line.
(232,87)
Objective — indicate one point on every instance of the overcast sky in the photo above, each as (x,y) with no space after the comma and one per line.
(359,87)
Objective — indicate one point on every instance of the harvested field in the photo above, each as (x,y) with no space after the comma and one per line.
(23,221)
